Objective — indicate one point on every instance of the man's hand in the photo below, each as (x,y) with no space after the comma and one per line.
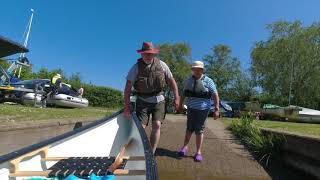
(127,113)
(176,103)
(173,85)
(127,93)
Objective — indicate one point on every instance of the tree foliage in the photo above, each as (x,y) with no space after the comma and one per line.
(289,55)
(232,83)
(177,57)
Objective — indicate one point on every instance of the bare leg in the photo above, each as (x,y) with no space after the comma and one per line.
(187,138)
(155,135)
(199,140)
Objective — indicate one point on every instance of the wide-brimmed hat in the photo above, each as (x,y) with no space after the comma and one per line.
(147,47)
(197,64)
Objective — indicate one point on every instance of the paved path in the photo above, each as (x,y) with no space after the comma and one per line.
(223,157)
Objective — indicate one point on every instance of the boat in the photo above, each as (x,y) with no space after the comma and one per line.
(271,111)
(113,146)
(35,89)
(68,101)
(31,98)
(305,115)
(62,100)
(291,113)
(8,48)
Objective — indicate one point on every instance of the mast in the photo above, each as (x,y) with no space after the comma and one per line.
(25,43)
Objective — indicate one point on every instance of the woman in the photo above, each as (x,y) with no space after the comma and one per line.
(198,91)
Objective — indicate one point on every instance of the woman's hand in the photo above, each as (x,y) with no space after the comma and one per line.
(216,113)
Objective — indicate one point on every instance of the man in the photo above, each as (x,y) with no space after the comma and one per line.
(56,83)
(199,90)
(56,80)
(149,77)
(63,88)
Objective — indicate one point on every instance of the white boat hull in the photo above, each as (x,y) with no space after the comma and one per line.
(295,114)
(59,100)
(69,101)
(29,98)
(307,115)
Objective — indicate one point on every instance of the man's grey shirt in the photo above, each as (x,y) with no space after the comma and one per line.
(132,77)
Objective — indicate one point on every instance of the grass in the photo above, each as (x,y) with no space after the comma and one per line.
(265,147)
(297,128)
(27,113)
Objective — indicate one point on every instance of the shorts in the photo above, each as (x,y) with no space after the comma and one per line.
(144,109)
(196,120)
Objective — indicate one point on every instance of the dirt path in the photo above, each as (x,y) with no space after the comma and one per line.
(223,158)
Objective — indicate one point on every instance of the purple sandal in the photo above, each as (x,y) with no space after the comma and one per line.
(183,151)
(198,158)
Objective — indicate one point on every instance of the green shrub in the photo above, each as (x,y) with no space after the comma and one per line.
(103,96)
(265,146)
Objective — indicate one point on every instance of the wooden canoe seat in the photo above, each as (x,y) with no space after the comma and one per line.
(128,158)
(117,172)
(81,166)
(84,166)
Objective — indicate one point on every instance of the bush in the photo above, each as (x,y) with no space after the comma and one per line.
(103,96)
(265,146)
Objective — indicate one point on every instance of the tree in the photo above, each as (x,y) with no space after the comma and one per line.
(290,57)
(242,89)
(225,71)
(27,73)
(75,80)
(4,64)
(177,57)
(43,74)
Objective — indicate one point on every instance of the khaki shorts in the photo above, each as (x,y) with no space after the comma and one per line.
(144,109)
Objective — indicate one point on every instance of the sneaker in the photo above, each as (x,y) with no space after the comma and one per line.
(183,151)
(198,158)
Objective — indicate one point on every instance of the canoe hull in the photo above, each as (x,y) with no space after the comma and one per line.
(105,138)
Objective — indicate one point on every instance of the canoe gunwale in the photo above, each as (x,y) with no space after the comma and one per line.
(25,150)
(151,164)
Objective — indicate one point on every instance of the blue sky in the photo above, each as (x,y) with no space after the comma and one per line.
(99,38)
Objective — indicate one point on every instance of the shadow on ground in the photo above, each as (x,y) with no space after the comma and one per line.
(168,153)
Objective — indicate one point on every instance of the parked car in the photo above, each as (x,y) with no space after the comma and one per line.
(225,109)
